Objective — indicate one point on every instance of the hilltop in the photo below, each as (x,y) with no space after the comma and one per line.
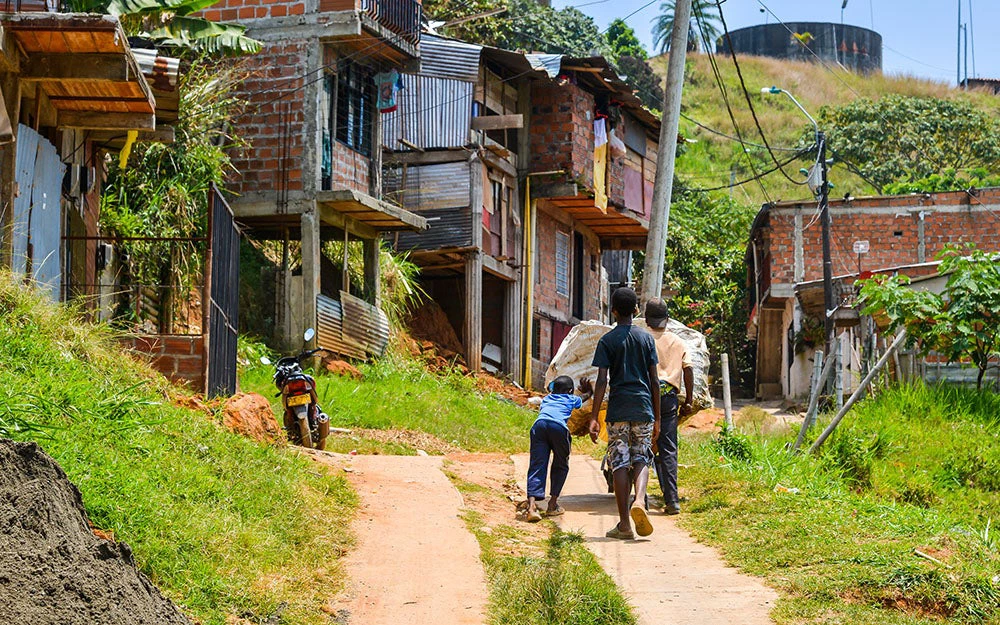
(707,161)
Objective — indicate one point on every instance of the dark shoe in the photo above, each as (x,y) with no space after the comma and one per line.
(616,533)
(672,509)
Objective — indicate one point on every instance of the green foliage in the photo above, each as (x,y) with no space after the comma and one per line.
(163,190)
(623,42)
(401,394)
(903,139)
(564,584)
(843,554)
(704,25)
(527,25)
(226,527)
(961,323)
(704,266)
(948,180)
(733,445)
(172,23)
(644,81)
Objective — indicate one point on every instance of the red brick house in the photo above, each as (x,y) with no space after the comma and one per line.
(313,171)
(497,150)
(785,270)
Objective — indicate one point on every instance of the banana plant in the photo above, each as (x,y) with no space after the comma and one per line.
(172,23)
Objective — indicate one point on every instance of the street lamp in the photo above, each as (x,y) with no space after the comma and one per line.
(823,190)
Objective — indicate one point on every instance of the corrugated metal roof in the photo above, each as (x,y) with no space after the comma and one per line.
(449,58)
(450,227)
(551,64)
(432,113)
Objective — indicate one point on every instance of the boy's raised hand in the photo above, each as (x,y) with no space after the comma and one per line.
(585,386)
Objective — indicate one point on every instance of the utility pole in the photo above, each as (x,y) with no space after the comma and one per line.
(958,48)
(824,208)
(663,186)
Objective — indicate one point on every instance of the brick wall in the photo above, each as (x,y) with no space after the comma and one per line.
(562,130)
(179,358)
(890,225)
(236,10)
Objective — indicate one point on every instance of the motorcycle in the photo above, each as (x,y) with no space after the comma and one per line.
(305,423)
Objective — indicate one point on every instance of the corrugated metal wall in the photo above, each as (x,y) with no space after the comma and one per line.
(432,113)
(435,106)
(38,210)
(426,187)
(351,327)
(449,227)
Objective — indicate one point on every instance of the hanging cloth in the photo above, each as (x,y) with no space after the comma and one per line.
(388,84)
(600,164)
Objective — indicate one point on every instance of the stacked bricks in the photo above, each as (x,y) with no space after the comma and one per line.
(178,357)
(236,10)
(562,131)
(889,224)
(273,126)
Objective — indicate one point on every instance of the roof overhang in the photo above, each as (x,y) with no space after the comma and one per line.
(340,208)
(83,66)
(616,229)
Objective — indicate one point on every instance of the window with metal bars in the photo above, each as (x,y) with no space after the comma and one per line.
(355,107)
(562,263)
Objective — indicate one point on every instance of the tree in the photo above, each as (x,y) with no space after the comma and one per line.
(901,139)
(961,323)
(704,24)
(172,23)
(641,77)
(527,25)
(621,37)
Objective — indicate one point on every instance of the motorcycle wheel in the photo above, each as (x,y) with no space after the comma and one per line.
(302,425)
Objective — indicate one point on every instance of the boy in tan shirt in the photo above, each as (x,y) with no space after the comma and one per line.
(673,367)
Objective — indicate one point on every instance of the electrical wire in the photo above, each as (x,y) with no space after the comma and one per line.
(732,138)
(746,94)
(755,178)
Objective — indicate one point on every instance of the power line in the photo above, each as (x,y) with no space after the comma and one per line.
(746,94)
(732,138)
(755,178)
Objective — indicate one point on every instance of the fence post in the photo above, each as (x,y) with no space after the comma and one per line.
(814,388)
(857,394)
(838,380)
(206,292)
(727,400)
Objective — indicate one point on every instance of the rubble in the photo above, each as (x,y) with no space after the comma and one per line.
(251,415)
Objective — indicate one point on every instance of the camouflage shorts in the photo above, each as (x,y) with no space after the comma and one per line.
(630,444)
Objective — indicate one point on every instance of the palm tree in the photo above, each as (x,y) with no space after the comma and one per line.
(704,24)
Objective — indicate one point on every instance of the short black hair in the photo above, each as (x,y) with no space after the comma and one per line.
(624,300)
(562,385)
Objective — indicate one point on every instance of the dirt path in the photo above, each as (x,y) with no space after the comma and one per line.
(414,563)
(669,577)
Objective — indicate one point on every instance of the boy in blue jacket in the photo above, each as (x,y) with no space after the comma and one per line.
(550,436)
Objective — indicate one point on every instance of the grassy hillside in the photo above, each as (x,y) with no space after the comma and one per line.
(226,527)
(893,523)
(707,162)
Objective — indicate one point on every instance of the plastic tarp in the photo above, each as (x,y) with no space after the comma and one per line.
(577,352)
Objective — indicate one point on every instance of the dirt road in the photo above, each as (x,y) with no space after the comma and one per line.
(415,562)
(668,577)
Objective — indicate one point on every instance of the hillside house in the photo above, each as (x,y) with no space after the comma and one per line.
(72,90)
(785,270)
(497,150)
(312,174)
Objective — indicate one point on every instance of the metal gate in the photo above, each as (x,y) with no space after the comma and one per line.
(222,268)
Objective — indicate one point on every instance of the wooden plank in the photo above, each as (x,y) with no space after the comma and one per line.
(405,217)
(76,67)
(427,158)
(107,121)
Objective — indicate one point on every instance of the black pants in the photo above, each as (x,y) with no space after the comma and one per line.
(666,449)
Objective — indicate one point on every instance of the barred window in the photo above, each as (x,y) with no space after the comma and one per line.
(562,263)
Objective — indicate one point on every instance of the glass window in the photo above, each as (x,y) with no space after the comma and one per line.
(562,263)
(355,107)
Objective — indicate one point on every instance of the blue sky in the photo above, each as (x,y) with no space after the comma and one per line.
(918,36)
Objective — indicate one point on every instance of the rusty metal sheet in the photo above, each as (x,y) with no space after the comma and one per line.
(329,329)
(433,113)
(364,324)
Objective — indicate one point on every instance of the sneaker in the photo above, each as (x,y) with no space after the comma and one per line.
(672,509)
(614,532)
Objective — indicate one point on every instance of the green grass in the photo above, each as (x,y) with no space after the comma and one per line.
(225,526)
(398,393)
(914,469)
(555,582)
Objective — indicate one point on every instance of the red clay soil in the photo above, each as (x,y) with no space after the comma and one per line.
(251,415)
(428,322)
(487,383)
(342,368)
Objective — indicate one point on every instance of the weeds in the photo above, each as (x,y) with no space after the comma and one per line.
(733,445)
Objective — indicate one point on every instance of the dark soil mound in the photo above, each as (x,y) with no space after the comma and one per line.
(53,569)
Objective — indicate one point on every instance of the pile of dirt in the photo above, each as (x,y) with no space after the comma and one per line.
(428,322)
(251,415)
(434,356)
(342,368)
(487,383)
(53,569)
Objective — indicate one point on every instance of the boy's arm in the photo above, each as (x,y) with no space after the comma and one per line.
(586,390)
(688,389)
(654,385)
(595,411)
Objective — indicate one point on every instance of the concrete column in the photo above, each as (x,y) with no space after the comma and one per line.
(799,270)
(373,275)
(310,268)
(473,334)
(8,166)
